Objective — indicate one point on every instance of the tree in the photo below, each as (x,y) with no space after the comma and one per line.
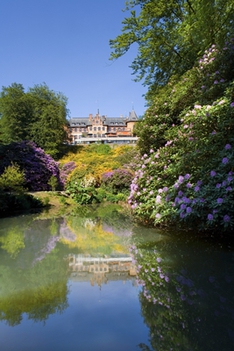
(171,35)
(48,131)
(16,112)
(38,115)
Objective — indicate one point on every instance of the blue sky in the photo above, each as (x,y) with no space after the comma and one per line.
(65,43)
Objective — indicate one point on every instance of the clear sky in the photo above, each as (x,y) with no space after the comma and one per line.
(65,44)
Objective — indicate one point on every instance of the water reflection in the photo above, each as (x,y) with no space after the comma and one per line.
(53,266)
(187,295)
(100,270)
(38,257)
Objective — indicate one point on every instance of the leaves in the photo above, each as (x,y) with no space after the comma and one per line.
(38,115)
(171,36)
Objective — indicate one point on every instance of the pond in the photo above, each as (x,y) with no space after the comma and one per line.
(93,279)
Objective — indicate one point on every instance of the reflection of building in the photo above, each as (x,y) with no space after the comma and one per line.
(103,128)
(99,270)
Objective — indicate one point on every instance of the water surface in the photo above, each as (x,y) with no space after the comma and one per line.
(95,280)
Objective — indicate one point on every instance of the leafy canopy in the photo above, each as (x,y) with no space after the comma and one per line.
(171,35)
(38,115)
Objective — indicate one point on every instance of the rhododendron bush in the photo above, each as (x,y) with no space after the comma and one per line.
(186,171)
(37,166)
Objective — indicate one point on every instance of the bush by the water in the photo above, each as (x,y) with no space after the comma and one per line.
(186,172)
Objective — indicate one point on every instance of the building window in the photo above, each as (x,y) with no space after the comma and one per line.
(95,129)
(99,128)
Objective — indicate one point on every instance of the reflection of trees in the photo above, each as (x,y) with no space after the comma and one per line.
(96,228)
(38,291)
(91,238)
(12,234)
(33,275)
(32,270)
(115,218)
(187,302)
(13,241)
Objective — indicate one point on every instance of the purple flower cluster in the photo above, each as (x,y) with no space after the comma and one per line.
(118,180)
(66,169)
(38,167)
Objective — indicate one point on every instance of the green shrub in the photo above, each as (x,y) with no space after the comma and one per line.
(121,197)
(101,149)
(101,194)
(12,179)
(53,183)
(111,197)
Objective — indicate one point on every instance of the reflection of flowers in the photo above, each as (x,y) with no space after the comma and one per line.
(64,233)
(151,275)
(162,301)
(178,304)
(48,248)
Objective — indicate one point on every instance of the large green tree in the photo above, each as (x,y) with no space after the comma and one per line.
(171,35)
(49,127)
(16,112)
(38,115)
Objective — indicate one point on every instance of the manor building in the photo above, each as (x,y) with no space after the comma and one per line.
(102,128)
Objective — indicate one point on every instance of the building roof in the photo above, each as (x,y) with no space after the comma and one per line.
(87,121)
(133,116)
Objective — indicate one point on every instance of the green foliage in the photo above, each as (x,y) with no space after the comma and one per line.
(16,111)
(127,156)
(101,194)
(13,241)
(46,201)
(53,183)
(62,200)
(104,195)
(38,291)
(171,36)
(12,179)
(38,115)
(80,193)
(101,149)
(185,175)
(87,182)
(204,83)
